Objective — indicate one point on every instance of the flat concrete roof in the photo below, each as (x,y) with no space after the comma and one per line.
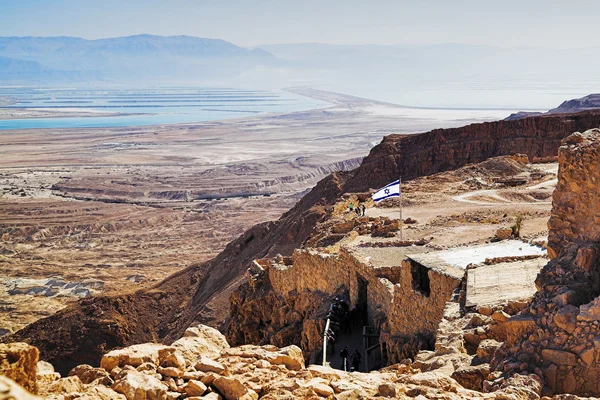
(462,256)
(498,283)
(434,262)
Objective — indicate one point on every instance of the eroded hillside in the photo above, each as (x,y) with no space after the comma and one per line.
(85,330)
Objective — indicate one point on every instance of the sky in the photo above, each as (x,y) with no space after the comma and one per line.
(506,23)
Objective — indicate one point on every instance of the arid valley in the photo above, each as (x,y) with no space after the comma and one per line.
(268,200)
(90,211)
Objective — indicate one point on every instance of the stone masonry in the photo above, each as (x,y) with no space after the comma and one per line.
(558,336)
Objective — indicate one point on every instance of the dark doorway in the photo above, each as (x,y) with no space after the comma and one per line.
(361,300)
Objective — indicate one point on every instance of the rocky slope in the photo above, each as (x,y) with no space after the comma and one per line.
(84,331)
(202,365)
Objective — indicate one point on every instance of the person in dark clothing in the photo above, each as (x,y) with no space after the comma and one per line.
(356,360)
(364,209)
(344,355)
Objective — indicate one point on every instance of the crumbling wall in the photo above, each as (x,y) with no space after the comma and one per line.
(575,215)
(418,307)
(558,336)
(315,271)
(406,314)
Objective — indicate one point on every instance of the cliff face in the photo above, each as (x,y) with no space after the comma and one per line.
(200,294)
(411,156)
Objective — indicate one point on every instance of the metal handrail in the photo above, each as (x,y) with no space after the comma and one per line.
(325,342)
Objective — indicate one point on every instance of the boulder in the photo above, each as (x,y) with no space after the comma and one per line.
(486,349)
(136,355)
(10,390)
(290,356)
(100,392)
(195,388)
(205,364)
(559,357)
(139,386)
(386,390)
(518,327)
(69,385)
(170,372)
(566,318)
(233,389)
(503,233)
(88,374)
(211,396)
(18,361)
(45,374)
(472,377)
(590,311)
(201,340)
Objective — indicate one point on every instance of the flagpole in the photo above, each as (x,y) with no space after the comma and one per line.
(400,196)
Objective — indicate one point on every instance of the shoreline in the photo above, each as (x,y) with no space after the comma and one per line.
(336,102)
(25,113)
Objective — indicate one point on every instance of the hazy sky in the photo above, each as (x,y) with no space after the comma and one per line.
(547,23)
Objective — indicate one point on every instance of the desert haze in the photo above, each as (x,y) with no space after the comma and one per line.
(299,200)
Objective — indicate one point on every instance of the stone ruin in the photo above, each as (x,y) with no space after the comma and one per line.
(558,335)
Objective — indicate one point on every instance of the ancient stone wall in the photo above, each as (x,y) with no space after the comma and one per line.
(398,306)
(418,310)
(314,271)
(558,336)
(576,201)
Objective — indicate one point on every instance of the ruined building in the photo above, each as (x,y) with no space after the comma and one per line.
(558,335)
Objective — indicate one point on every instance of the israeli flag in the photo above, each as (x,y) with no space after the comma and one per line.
(391,190)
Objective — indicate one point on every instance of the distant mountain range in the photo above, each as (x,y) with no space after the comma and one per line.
(589,102)
(441,75)
(139,58)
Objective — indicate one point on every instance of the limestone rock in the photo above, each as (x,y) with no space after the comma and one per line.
(211,396)
(559,357)
(487,348)
(566,318)
(590,311)
(386,390)
(205,364)
(170,372)
(138,386)
(344,385)
(195,388)
(472,377)
(500,316)
(10,390)
(201,340)
(517,327)
(100,392)
(135,355)
(290,356)
(69,385)
(320,387)
(233,389)
(88,374)
(18,361)
(45,374)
